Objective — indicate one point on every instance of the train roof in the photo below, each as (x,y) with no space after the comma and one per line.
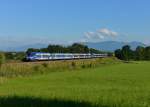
(55,53)
(46,53)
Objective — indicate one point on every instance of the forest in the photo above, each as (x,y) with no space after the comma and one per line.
(126,53)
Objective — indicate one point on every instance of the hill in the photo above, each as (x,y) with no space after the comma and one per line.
(104,46)
(113,45)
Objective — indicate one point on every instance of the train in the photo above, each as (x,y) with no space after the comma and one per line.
(41,56)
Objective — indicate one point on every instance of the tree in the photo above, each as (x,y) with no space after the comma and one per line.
(118,53)
(91,50)
(140,53)
(110,54)
(126,53)
(2,58)
(56,49)
(43,50)
(32,50)
(147,53)
(78,48)
(9,55)
(74,48)
(15,55)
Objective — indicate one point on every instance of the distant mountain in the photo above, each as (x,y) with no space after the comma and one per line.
(113,45)
(105,46)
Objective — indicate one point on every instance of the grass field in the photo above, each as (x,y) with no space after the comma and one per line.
(114,85)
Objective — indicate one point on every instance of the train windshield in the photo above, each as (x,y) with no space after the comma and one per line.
(32,54)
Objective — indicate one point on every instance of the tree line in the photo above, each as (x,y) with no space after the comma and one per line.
(74,48)
(126,53)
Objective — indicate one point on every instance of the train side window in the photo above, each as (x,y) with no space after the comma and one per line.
(45,56)
(39,56)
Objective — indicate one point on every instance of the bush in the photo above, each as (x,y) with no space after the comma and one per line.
(73,64)
(36,68)
(90,65)
(45,65)
(83,66)
(2,58)
(15,56)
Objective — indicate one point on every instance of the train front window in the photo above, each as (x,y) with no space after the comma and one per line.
(31,54)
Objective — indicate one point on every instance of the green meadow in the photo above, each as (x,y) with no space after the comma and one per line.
(90,83)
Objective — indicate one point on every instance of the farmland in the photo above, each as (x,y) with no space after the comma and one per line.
(91,83)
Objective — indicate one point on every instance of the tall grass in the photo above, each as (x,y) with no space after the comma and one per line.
(31,68)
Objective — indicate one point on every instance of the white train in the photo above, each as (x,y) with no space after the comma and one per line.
(37,56)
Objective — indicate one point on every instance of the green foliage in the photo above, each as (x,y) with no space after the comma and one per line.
(15,55)
(56,49)
(44,50)
(74,48)
(118,53)
(78,48)
(140,53)
(91,50)
(83,66)
(73,64)
(127,54)
(2,58)
(32,50)
(45,65)
(147,53)
(36,68)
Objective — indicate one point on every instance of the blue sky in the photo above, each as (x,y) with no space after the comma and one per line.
(65,21)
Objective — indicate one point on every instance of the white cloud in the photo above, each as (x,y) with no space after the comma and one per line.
(93,35)
(107,32)
(100,34)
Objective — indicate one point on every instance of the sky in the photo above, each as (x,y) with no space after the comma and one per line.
(67,21)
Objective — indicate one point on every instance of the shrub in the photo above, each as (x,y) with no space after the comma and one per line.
(83,66)
(45,65)
(73,64)
(36,68)
(2,59)
(90,65)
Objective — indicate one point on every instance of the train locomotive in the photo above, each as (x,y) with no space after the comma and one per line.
(40,56)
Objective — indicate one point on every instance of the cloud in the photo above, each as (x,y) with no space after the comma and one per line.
(93,35)
(100,34)
(107,32)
